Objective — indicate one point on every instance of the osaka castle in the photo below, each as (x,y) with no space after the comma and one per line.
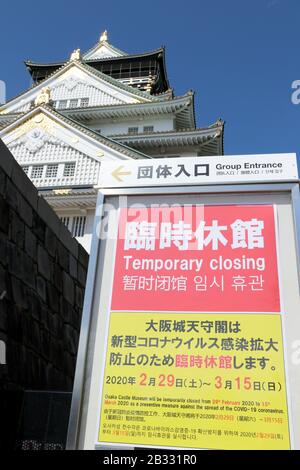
(102,104)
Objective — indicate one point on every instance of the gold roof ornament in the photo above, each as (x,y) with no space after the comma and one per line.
(43,97)
(76,55)
(104,36)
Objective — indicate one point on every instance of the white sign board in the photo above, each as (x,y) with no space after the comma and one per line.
(199,170)
(214,260)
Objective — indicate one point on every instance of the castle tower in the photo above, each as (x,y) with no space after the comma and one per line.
(103,104)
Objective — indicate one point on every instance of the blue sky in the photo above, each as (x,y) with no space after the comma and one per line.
(239,56)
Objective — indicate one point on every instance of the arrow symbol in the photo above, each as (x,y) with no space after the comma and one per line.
(117,173)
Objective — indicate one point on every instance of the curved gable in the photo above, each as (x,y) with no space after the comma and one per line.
(43,138)
(79,81)
(103,50)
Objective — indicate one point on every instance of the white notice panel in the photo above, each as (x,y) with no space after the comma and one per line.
(199,170)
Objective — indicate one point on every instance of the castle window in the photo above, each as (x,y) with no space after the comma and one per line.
(37,171)
(69,169)
(73,104)
(62,104)
(148,129)
(26,169)
(78,226)
(133,130)
(84,102)
(51,171)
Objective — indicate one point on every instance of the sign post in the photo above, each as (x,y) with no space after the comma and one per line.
(191,317)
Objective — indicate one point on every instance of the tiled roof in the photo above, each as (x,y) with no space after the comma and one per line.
(198,130)
(127,56)
(142,94)
(211,136)
(183,106)
(122,148)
